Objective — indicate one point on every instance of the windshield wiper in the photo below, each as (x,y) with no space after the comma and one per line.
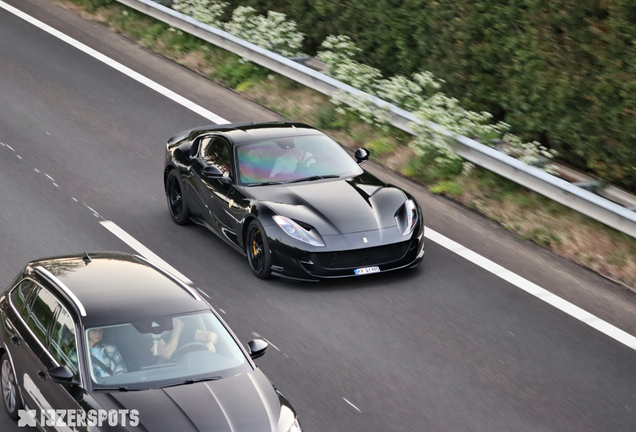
(193,381)
(120,389)
(265,183)
(312,178)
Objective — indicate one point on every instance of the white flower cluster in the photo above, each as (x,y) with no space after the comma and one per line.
(419,94)
(205,11)
(273,32)
(337,53)
(531,153)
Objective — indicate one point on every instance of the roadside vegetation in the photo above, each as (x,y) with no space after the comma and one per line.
(425,158)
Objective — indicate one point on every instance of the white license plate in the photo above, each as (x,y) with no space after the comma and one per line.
(367,270)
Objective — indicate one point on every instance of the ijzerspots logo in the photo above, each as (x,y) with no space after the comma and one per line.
(78,418)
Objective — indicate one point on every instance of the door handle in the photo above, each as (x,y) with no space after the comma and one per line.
(42,375)
(15,340)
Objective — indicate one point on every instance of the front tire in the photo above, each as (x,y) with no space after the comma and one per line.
(177,205)
(9,388)
(257,248)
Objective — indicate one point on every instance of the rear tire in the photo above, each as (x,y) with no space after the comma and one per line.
(177,205)
(9,388)
(257,249)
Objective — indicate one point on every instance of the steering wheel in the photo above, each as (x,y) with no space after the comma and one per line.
(188,348)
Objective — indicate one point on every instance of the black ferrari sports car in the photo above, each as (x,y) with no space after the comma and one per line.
(292,200)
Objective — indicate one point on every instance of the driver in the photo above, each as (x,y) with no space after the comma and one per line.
(165,349)
(105,359)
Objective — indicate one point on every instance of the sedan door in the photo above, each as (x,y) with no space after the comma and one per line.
(62,351)
(34,360)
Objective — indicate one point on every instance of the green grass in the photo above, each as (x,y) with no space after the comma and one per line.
(447,187)
(543,237)
(379,147)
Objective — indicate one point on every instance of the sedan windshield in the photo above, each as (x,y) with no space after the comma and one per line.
(295,158)
(163,351)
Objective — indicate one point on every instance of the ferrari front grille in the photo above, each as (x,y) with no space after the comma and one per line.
(360,257)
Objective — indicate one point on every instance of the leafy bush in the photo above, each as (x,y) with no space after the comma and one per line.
(205,11)
(235,72)
(273,32)
(560,73)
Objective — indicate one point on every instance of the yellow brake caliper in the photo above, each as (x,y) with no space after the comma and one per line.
(255,246)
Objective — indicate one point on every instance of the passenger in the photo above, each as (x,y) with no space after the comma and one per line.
(165,349)
(105,359)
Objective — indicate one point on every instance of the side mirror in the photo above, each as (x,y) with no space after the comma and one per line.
(361,155)
(212,172)
(61,375)
(257,348)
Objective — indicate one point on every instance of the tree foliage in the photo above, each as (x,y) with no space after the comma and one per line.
(560,72)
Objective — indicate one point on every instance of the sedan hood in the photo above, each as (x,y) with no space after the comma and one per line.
(333,207)
(246,403)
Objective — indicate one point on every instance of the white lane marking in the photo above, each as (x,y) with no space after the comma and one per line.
(534,289)
(486,264)
(222,311)
(116,65)
(19,157)
(143,250)
(36,170)
(55,184)
(75,199)
(2,144)
(204,293)
(94,212)
(48,134)
(256,334)
(49,177)
(345,399)
(273,346)
(9,147)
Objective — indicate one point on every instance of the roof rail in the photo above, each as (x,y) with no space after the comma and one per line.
(175,279)
(47,274)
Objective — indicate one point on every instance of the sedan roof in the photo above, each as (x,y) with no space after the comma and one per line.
(118,288)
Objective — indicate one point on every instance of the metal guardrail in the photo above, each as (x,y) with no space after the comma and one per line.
(568,194)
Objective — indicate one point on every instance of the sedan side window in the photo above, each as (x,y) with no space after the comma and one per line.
(217,153)
(63,346)
(21,295)
(41,314)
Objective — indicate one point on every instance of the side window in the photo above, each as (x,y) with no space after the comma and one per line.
(20,296)
(63,347)
(217,153)
(41,314)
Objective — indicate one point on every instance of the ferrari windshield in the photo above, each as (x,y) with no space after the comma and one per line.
(162,351)
(293,158)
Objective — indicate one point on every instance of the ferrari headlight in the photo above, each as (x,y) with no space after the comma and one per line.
(294,230)
(407,217)
(295,427)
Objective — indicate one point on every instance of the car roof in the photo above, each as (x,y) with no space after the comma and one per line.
(116,287)
(239,133)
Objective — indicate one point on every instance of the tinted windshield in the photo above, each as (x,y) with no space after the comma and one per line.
(162,351)
(294,158)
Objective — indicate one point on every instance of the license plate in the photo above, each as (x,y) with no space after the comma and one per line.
(367,270)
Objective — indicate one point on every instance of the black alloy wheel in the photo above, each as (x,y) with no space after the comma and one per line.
(176,204)
(257,249)
(9,388)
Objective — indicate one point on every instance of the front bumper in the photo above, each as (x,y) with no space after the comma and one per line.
(346,253)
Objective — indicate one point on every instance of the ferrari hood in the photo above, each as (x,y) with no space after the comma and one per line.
(361,203)
(244,403)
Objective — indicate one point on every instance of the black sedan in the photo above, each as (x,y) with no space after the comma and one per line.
(86,337)
(292,200)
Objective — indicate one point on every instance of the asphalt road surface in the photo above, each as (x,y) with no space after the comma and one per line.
(445,347)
